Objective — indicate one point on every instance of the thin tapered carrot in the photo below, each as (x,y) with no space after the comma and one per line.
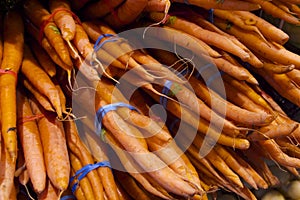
(275,11)
(6,174)
(256,44)
(13,37)
(283,85)
(282,6)
(55,148)
(1,38)
(125,13)
(81,41)
(278,155)
(256,160)
(63,19)
(294,75)
(31,70)
(99,8)
(38,15)
(79,194)
(49,193)
(288,147)
(268,30)
(43,58)
(80,150)
(293,7)
(32,145)
(62,97)
(21,171)
(84,183)
(225,5)
(277,68)
(209,37)
(133,189)
(260,182)
(42,99)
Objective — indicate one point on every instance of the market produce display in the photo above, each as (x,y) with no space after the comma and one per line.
(147,99)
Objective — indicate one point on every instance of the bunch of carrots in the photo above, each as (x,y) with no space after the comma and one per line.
(57,144)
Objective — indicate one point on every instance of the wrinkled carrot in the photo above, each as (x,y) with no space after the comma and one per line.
(294,75)
(55,148)
(125,13)
(85,184)
(63,19)
(32,146)
(43,58)
(31,70)
(42,99)
(225,5)
(12,58)
(277,68)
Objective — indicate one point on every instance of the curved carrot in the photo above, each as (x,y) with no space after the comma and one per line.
(55,148)
(32,146)
(126,13)
(12,59)
(31,70)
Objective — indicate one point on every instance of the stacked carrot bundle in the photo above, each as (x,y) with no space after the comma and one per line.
(235,130)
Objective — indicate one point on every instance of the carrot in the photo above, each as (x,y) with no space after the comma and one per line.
(85,184)
(39,16)
(99,8)
(99,185)
(209,37)
(123,194)
(134,190)
(294,75)
(31,143)
(8,168)
(43,58)
(260,182)
(1,38)
(279,156)
(282,6)
(267,29)
(156,6)
(49,193)
(281,56)
(283,85)
(21,171)
(126,13)
(288,147)
(276,12)
(55,148)
(42,99)
(225,5)
(277,68)
(12,58)
(31,70)
(63,18)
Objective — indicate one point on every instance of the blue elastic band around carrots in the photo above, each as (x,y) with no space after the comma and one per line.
(67,197)
(211,15)
(98,44)
(105,109)
(80,174)
(163,100)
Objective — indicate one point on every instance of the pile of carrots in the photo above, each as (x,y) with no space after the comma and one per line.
(77,100)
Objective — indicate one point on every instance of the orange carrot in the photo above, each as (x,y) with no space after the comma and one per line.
(55,148)
(295,76)
(99,8)
(225,5)
(156,6)
(126,13)
(31,70)
(49,193)
(31,143)
(1,38)
(43,58)
(12,59)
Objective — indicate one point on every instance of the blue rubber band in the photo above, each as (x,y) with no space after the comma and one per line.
(68,197)
(206,66)
(163,100)
(211,15)
(80,174)
(174,122)
(105,109)
(98,44)
(213,77)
